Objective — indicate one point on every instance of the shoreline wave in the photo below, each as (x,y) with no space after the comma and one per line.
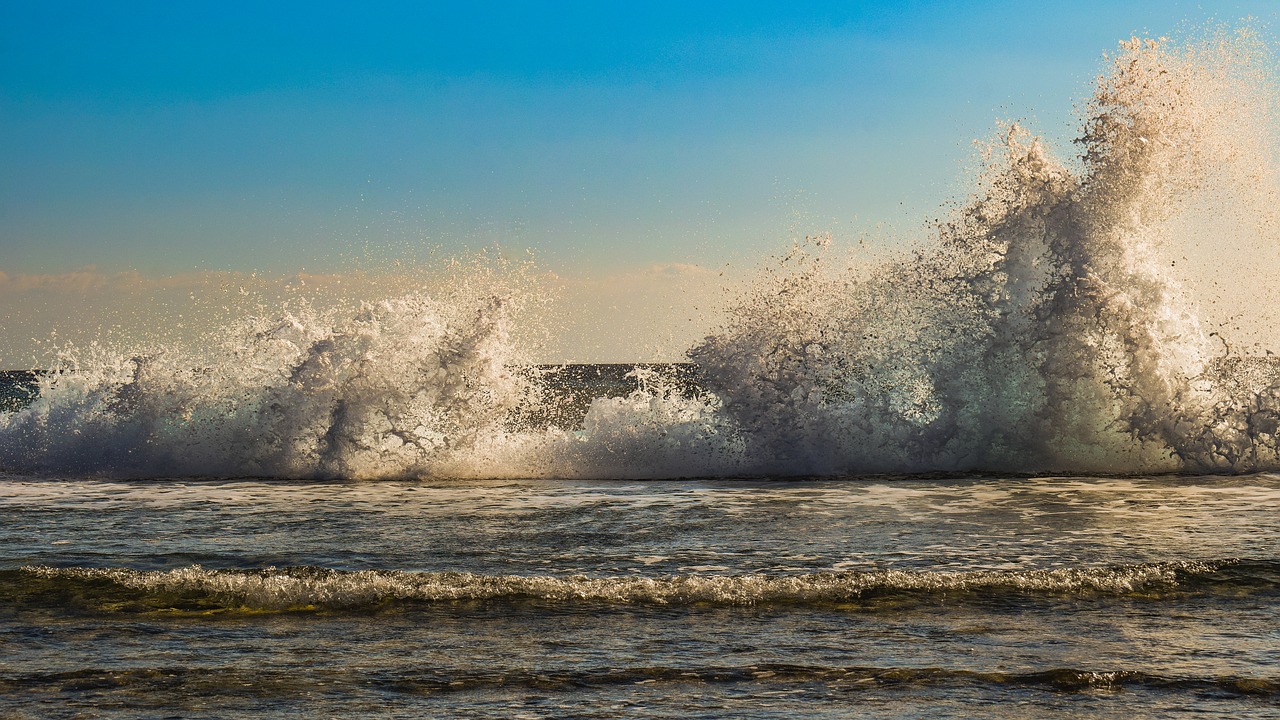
(196,590)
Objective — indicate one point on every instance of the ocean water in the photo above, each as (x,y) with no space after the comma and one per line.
(1014,471)
(891,596)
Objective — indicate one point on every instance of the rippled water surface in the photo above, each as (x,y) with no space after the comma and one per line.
(898,597)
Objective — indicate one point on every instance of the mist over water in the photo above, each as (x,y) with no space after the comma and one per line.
(1042,329)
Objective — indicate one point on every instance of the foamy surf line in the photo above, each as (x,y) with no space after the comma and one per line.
(197,589)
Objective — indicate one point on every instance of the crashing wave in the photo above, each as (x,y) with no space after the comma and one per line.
(1040,331)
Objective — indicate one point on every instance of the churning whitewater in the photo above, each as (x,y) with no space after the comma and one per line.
(1039,331)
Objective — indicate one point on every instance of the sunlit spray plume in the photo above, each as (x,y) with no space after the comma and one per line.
(1040,329)
(391,388)
(1039,332)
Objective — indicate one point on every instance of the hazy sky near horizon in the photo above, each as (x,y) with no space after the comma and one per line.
(163,138)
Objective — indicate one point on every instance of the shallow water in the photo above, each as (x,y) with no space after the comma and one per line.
(899,597)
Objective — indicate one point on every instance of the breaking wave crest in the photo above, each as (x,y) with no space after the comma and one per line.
(388,389)
(199,590)
(1040,331)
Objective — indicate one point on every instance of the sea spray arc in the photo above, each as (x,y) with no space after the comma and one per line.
(388,390)
(1039,332)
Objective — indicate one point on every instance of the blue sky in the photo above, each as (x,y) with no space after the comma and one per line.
(167,137)
(155,147)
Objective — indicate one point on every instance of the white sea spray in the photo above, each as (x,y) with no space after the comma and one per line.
(1040,330)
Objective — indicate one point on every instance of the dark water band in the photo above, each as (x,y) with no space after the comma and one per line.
(429,681)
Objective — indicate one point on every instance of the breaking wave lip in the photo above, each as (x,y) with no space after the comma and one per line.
(431,681)
(198,590)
